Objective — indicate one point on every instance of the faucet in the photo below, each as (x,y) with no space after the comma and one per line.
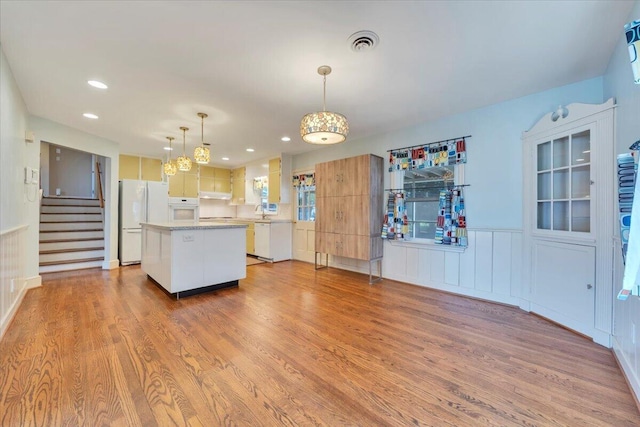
(261,207)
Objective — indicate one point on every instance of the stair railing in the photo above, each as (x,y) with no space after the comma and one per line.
(100,194)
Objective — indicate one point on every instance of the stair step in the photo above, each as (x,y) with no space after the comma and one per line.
(77,265)
(71,261)
(58,251)
(70,201)
(72,217)
(66,256)
(70,244)
(69,226)
(52,235)
(68,209)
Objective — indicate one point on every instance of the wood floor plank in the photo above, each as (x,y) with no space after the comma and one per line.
(295,346)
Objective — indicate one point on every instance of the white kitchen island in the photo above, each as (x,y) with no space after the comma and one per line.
(187,257)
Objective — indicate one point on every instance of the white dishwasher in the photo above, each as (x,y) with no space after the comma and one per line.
(263,240)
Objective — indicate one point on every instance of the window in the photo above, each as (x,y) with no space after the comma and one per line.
(422,190)
(306,196)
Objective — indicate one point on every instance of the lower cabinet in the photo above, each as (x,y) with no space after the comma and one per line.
(251,240)
(273,240)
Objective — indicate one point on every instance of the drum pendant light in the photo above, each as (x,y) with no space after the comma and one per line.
(184,162)
(324,127)
(170,167)
(202,155)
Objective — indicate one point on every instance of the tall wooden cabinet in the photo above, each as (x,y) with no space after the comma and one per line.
(349,208)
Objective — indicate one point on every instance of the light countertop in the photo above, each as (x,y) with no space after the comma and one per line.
(231,220)
(187,225)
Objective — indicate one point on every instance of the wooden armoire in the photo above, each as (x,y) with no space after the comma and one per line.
(349,209)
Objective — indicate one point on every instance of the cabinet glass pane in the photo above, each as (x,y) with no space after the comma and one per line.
(544,186)
(561,152)
(544,156)
(544,215)
(581,148)
(581,216)
(581,182)
(561,184)
(561,216)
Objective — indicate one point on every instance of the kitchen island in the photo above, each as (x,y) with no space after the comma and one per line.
(190,257)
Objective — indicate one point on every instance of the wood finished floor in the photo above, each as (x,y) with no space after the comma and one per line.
(292,346)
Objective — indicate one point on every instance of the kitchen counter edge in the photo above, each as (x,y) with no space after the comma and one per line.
(191,225)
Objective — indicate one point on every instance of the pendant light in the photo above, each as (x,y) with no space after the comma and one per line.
(170,167)
(202,155)
(324,127)
(184,162)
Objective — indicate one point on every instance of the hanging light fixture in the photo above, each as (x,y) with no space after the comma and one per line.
(170,167)
(202,155)
(184,162)
(324,127)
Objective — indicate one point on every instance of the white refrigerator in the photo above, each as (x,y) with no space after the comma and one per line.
(140,201)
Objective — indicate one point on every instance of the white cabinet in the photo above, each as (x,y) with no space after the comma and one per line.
(262,240)
(184,257)
(568,160)
(273,240)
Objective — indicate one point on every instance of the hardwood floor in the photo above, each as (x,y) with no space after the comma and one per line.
(292,346)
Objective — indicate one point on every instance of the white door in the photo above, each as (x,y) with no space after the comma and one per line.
(157,201)
(304,220)
(262,239)
(130,246)
(563,284)
(132,203)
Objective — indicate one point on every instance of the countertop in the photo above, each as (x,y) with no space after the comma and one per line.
(232,220)
(187,225)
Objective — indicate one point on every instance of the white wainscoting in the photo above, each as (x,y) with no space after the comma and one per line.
(626,329)
(489,268)
(12,271)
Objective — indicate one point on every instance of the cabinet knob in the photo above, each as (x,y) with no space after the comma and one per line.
(589,286)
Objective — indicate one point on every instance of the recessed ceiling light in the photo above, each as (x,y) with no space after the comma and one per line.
(225,158)
(250,150)
(90,116)
(168,148)
(285,139)
(96,83)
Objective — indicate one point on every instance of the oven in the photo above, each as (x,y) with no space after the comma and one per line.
(184,209)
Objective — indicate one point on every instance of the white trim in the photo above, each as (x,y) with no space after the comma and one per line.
(575,112)
(14,229)
(8,318)
(627,368)
(33,282)
(111,265)
(426,244)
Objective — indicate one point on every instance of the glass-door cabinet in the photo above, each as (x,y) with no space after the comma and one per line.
(563,183)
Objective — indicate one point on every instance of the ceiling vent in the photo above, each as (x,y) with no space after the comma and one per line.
(363,41)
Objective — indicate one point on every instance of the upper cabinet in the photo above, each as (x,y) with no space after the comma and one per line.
(280,179)
(184,184)
(215,179)
(238,177)
(135,167)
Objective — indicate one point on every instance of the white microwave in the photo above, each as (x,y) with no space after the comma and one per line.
(184,209)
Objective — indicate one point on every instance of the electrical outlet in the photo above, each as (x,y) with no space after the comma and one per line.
(12,286)
(187,238)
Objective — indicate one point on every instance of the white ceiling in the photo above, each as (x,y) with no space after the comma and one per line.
(251,65)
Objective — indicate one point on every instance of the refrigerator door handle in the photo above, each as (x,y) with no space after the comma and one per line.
(134,230)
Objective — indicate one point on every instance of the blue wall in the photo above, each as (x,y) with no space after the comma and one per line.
(494,171)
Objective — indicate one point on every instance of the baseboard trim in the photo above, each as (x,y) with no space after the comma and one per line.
(33,282)
(627,371)
(6,321)
(111,265)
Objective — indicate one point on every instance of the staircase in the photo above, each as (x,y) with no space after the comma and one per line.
(71,234)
